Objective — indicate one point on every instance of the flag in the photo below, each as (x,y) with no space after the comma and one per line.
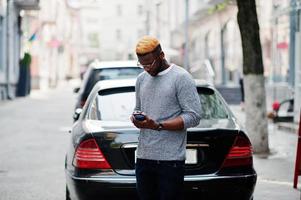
(33,37)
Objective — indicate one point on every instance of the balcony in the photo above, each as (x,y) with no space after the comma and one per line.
(28,4)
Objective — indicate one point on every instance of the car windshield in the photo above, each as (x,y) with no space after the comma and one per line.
(117,105)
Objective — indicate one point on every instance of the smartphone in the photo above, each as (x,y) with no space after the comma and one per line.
(139,117)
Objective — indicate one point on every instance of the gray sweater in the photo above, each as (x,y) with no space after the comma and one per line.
(170,94)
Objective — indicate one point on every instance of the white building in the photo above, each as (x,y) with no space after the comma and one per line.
(214,39)
(55,51)
(89,20)
(121,24)
(3,68)
(10,43)
(161,17)
(214,35)
(110,30)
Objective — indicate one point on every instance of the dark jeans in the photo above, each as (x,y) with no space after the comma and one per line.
(160,180)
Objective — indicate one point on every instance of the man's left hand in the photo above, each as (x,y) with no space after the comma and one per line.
(148,123)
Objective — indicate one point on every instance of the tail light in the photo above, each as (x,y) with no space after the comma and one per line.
(240,153)
(89,156)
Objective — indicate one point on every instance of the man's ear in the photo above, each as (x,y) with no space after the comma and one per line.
(162,55)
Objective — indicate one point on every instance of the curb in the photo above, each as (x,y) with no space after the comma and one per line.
(291,127)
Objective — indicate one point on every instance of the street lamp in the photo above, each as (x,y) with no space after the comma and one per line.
(186,47)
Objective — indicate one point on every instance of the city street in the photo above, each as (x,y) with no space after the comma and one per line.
(33,141)
(49,47)
(34,138)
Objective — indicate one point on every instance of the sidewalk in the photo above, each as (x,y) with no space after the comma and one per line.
(275,171)
(288,126)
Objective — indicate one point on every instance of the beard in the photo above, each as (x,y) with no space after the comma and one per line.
(159,68)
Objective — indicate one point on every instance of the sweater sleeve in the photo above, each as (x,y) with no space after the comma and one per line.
(189,100)
(137,93)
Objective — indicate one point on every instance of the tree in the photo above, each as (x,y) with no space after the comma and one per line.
(254,87)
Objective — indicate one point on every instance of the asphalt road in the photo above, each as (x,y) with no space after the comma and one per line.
(33,141)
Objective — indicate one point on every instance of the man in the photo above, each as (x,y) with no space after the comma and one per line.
(242,91)
(167,98)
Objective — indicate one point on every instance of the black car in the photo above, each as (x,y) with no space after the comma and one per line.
(100,163)
(104,70)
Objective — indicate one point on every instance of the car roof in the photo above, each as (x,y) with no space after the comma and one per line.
(202,82)
(113,64)
(107,84)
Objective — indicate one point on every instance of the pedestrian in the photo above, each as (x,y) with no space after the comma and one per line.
(167,103)
(242,92)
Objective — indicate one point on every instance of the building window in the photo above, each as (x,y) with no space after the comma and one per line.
(231,76)
(140,10)
(92,20)
(119,10)
(93,40)
(118,35)
(140,32)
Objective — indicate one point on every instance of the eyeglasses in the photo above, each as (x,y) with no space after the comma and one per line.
(147,66)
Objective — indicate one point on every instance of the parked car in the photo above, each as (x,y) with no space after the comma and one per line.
(203,70)
(105,70)
(100,162)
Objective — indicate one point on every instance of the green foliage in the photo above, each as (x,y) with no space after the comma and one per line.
(26,60)
(218,7)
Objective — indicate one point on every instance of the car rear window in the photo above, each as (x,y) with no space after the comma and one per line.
(117,73)
(109,74)
(117,104)
(212,105)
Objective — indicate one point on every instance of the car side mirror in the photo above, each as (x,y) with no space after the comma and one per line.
(77,113)
(75,90)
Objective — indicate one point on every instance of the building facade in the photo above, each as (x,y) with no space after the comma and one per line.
(121,24)
(214,36)
(53,38)
(3,68)
(10,42)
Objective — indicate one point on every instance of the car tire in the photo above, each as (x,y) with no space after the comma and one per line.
(67,194)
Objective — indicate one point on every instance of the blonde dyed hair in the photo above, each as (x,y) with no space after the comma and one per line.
(146,44)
